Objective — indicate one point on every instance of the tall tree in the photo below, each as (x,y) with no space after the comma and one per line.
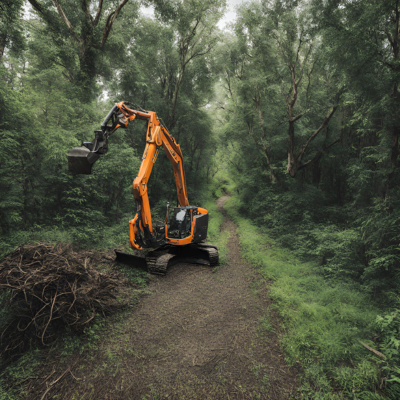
(197,34)
(84,26)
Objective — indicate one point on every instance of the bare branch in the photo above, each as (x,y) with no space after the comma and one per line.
(324,123)
(296,117)
(70,75)
(281,47)
(98,15)
(318,155)
(229,85)
(65,19)
(110,21)
(87,11)
(309,83)
(198,54)
(302,68)
(378,353)
(36,5)
(294,88)
(298,49)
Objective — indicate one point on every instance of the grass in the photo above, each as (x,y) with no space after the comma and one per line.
(215,235)
(89,236)
(323,320)
(18,373)
(222,184)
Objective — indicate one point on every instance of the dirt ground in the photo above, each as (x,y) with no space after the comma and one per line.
(198,334)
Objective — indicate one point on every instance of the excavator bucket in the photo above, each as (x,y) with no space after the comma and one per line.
(81,160)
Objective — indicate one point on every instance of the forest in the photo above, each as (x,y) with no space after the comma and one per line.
(292,110)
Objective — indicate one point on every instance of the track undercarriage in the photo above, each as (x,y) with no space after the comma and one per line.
(158,261)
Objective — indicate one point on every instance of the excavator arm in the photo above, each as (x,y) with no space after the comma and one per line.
(140,227)
(81,159)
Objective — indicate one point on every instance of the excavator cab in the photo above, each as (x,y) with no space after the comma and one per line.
(179,223)
(183,222)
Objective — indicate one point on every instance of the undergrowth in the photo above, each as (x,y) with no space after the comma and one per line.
(215,236)
(222,184)
(324,322)
(87,236)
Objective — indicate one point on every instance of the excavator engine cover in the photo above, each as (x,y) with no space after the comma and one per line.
(81,160)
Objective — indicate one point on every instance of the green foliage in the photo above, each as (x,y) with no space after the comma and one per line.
(388,325)
(16,375)
(215,235)
(222,184)
(324,320)
(342,207)
(47,107)
(11,30)
(176,80)
(81,39)
(265,324)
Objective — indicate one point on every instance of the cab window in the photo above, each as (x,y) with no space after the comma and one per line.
(179,224)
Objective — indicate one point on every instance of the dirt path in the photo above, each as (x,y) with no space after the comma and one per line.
(200,334)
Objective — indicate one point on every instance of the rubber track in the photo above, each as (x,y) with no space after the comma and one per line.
(158,261)
(213,256)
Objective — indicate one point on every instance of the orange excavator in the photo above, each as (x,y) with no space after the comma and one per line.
(181,238)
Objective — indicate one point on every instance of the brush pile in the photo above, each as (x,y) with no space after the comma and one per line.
(50,287)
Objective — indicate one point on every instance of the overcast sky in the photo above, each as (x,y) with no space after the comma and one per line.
(229,16)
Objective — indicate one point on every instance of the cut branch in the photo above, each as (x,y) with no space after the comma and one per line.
(378,353)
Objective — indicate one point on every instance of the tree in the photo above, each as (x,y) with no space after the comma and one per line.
(298,49)
(11,35)
(195,25)
(84,27)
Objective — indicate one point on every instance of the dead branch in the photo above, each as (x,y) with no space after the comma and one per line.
(376,352)
(50,287)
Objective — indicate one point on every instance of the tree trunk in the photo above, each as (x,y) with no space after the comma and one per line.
(292,167)
(3,39)
(395,129)
(295,157)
